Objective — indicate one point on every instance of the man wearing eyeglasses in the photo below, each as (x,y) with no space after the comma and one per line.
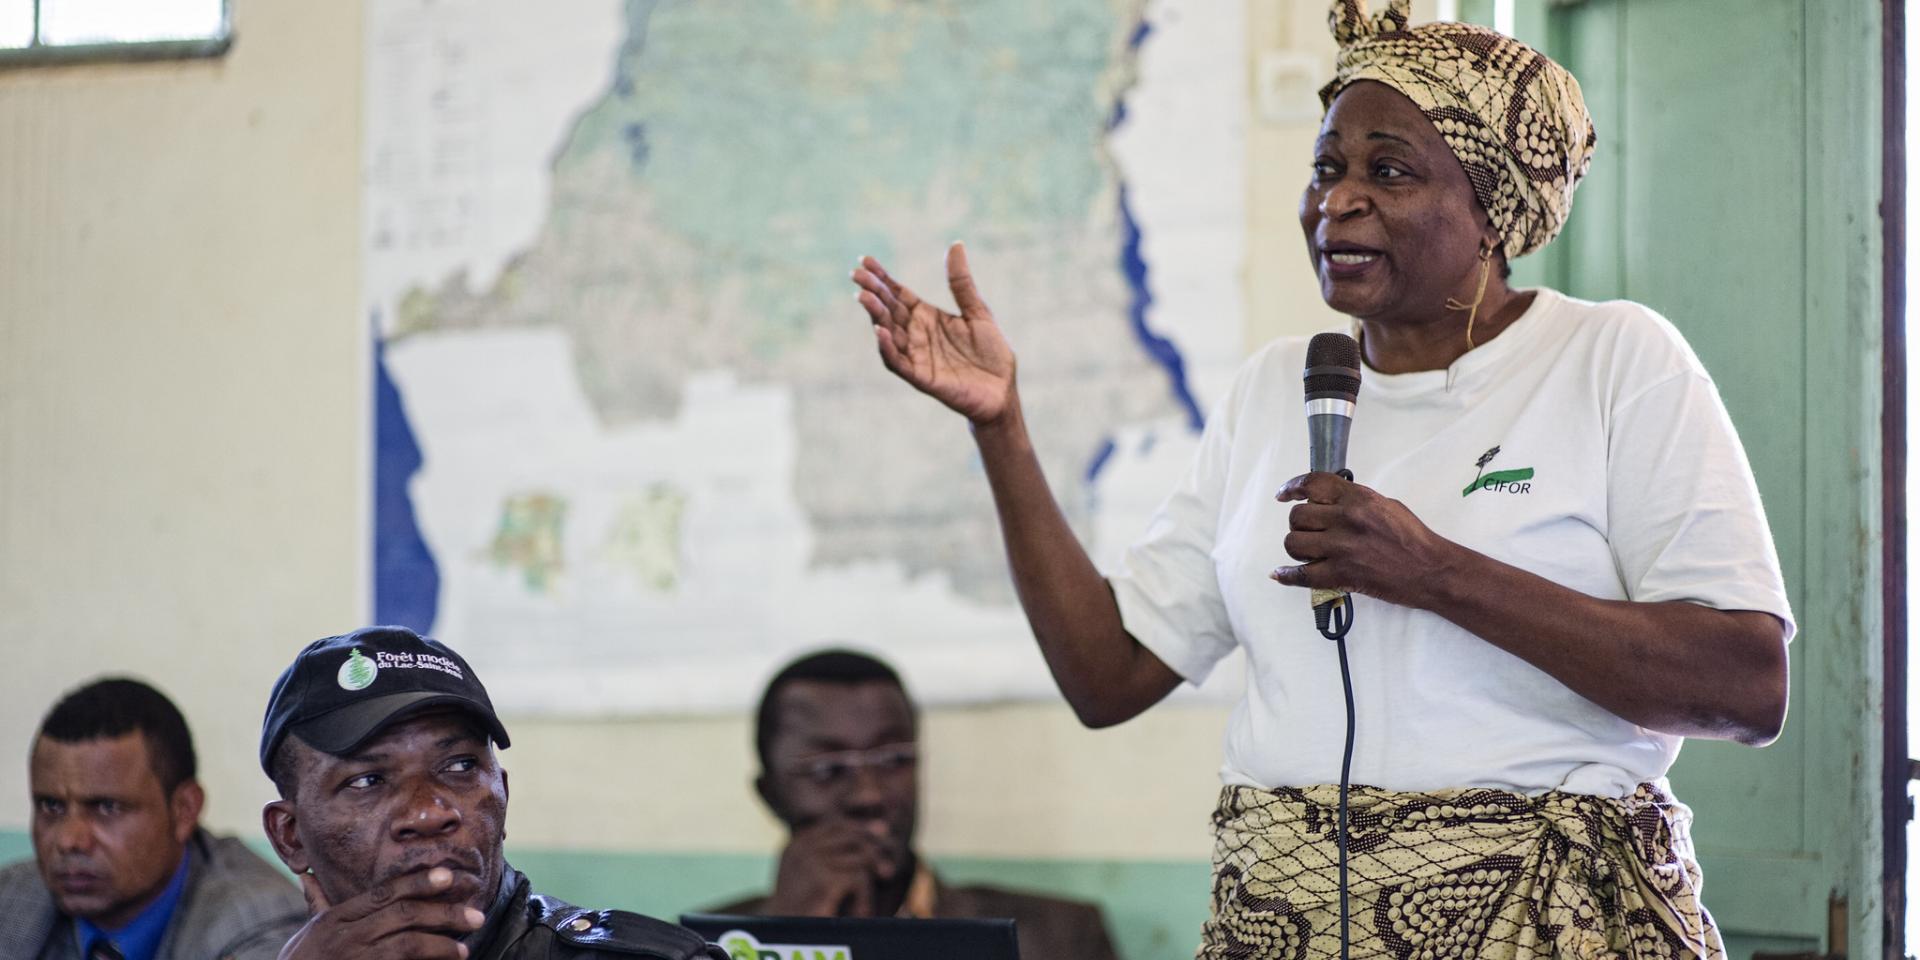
(839,753)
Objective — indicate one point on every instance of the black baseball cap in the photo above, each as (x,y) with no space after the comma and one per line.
(342,690)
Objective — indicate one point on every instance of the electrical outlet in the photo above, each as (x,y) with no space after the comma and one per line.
(1287,86)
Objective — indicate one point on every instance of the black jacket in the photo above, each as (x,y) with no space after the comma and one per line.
(535,927)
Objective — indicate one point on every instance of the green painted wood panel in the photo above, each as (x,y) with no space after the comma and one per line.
(1715,239)
(1734,190)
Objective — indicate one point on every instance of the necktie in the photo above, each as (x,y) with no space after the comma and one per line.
(103,950)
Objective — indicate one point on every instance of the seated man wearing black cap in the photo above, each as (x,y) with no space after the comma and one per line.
(393,810)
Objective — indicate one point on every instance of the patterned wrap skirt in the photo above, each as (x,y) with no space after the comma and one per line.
(1470,873)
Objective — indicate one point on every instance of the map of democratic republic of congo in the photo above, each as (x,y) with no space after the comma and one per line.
(631,431)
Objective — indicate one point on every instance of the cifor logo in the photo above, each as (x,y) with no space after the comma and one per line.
(1499,481)
(741,945)
(358,672)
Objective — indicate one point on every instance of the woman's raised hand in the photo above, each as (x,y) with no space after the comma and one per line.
(961,360)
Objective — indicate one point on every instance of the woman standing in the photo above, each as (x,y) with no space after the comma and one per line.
(1559,555)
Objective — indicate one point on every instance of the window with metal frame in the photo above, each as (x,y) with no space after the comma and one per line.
(43,31)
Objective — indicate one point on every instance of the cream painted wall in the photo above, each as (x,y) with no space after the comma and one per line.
(996,782)
(182,459)
(1283,297)
(180,379)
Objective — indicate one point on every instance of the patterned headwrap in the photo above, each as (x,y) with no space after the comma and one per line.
(1514,118)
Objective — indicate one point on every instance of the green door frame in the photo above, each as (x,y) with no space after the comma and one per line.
(1897,771)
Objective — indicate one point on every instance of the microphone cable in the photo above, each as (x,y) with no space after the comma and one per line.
(1334,620)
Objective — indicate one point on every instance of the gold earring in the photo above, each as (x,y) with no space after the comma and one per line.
(1473,309)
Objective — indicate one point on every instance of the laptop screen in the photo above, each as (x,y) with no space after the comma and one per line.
(863,938)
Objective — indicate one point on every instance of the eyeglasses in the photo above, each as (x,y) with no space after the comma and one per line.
(837,770)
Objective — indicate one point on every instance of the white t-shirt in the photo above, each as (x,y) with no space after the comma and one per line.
(1611,468)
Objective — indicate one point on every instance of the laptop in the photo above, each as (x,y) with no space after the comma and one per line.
(863,938)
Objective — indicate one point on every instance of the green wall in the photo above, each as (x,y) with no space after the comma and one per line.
(1154,909)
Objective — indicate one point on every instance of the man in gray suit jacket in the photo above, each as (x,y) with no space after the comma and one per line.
(122,870)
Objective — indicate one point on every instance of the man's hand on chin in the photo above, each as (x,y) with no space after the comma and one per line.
(831,868)
(396,920)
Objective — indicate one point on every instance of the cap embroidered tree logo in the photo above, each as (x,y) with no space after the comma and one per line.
(357,672)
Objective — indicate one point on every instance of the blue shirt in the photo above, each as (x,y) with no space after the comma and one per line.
(140,938)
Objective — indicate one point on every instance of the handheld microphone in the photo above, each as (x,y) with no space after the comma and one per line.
(1333,386)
